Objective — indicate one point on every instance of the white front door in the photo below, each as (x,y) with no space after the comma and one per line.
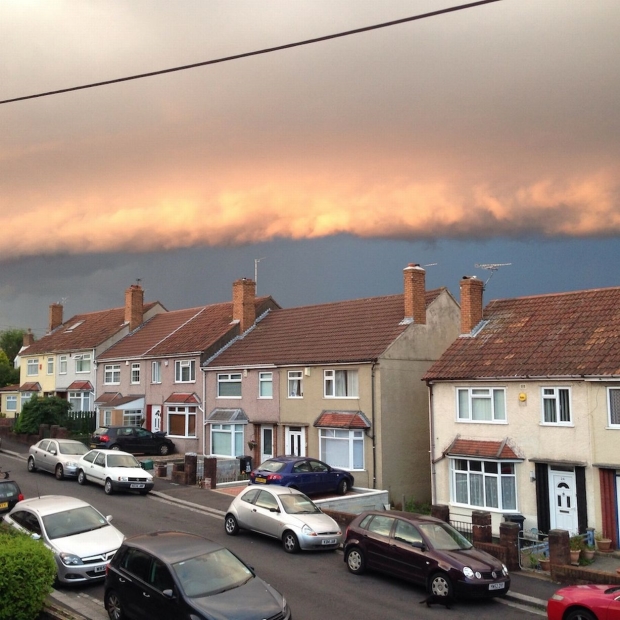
(266,444)
(563,501)
(156,419)
(296,440)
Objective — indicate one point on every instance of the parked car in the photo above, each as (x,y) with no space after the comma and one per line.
(82,539)
(585,602)
(133,439)
(165,575)
(310,476)
(285,514)
(10,494)
(58,456)
(424,550)
(115,470)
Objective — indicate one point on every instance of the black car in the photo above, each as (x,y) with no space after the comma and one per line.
(424,550)
(165,575)
(10,493)
(133,439)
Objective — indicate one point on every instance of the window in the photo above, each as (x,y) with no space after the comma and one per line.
(265,385)
(342,447)
(107,417)
(227,439)
(80,401)
(295,384)
(182,421)
(184,371)
(11,403)
(486,484)
(229,385)
(25,397)
(82,362)
(156,372)
(132,417)
(135,372)
(341,384)
(33,367)
(613,399)
(62,364)
(50,365)
(112,374)
(481,404)
(556,406)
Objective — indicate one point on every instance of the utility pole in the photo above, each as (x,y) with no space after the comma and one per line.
(256,261)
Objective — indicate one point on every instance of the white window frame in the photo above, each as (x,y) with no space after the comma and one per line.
(132,417)
(352,455)
(156,372)
(62,365)
(228,379)
(341,379)
(106,416)
(265,385)
(467,397)
(32,367)
(554,395)
(84,398)
(295,384)
(185,367)
(11,400)
(112,374)
(82,363)
(613,396)
(188,412)
(235,433)
(480,481)
(25,397)
(135,373)
(50,365)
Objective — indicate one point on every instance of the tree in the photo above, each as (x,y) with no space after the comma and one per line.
(41,410)
(11,341)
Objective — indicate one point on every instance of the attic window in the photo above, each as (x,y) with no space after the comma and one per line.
(70,329)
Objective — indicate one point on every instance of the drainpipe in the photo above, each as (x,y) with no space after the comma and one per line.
(431,428)
(373,436)
(202,408)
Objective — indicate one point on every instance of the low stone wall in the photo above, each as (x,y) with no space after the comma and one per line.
(356,502)
(497,551)
(579,575)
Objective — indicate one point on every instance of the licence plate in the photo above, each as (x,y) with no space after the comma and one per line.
(260,480)
(329,541)
(136,486)
(4,504)
(496,586)
(99,569)
(92,445)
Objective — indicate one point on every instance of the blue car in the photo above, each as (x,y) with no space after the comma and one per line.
(310,476)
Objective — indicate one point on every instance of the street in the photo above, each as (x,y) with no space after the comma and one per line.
(317,585)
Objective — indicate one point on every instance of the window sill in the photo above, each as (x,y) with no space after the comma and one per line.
(486,509)
(482,421)
(557,424)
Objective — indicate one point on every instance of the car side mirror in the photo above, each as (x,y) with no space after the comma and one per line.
(52,451)
(274,510)
(419,545)
(35,536)
(109,518)
(168,593)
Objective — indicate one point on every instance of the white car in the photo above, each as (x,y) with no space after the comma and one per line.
(82,540)
(115,471)
(286,514)
(58,456)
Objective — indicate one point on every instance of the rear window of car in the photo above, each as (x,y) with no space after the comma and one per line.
(101,431)
(272,466)
(8,489)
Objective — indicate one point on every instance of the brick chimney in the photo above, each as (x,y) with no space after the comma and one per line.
(134,306)
(28,338)
(244,294)
(55,316)
(471,303)
(415,293)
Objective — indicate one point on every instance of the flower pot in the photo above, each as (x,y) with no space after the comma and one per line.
(574,557)
(545,564)
(588,554)
(603,544)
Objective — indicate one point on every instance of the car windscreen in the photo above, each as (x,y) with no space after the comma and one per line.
(211,573)
(444,537)
(272,466)
(296,504)
(73,522)
(72,448)
(122,460)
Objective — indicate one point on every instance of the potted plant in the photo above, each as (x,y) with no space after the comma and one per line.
(545,563)
(576,545)
(602,543)
(588,552)
(252,444)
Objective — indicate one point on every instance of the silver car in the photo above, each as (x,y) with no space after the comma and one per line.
(285,514)
(81,538)
(58,456)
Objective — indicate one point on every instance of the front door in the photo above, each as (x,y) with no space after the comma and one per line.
(295,441)
(563,500)
(618,503)
(266,444)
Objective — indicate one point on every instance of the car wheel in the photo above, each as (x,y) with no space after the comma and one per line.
(290,542)
(164,449)
(579,614)
(107,487)
(343,487)
(355,561)
(31,465)
(59,472)
(230,525)
(440,585)
(82,477)
(113,606)
(115,447)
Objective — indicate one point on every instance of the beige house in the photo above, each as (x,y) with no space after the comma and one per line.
(525,411)
(9,397)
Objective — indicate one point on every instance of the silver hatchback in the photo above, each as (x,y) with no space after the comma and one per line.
(58,456)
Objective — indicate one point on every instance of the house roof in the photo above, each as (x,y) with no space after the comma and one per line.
(115,399)
(342,419)
(344,331)
(185,398)
(482,449)
(10,388)
(32,386)
(559,335)
(81,385)
(82,331)
(188,331)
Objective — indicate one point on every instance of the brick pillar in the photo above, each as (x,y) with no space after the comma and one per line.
(191,463)
(481,527)
(441,511)
(210,469)
(509,539)
(559,547)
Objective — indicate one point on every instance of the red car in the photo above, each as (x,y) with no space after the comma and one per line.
(589,602)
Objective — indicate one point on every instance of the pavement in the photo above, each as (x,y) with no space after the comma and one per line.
(529,589)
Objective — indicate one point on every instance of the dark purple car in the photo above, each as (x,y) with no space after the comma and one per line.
(424,550)
(310,476)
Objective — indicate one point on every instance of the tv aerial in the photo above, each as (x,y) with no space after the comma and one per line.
(492,267)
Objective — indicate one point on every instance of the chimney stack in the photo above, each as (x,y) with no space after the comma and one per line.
(244,311)
(55,316)
(28,338)
(471,303)
(415,293)
(134,306)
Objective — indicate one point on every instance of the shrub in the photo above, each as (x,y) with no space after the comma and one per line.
(41,410)
(27,567)
(423,508)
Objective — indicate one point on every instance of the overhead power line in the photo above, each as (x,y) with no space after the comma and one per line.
(267,50)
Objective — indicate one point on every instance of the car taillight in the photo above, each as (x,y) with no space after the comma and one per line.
(104,438)
(274,477)
(20,497)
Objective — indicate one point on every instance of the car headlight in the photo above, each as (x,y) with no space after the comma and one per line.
(308,531)
(505,570)
(71,464)
(468,572)
(123,479)
(70,559)
(557,597)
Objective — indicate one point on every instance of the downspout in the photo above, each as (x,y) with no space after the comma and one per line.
(202,409)
(373,436)
(431,428)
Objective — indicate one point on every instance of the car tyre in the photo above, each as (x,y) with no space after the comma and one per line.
(580,614)
(355,560)
(107,487)
(290,542)
(343,487)
(114,606)
(31,465)
(231,525)
(164,449)
(115,447)
(82,477)
(59,472)
(440,585)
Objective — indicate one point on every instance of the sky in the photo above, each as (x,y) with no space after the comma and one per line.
(488,135)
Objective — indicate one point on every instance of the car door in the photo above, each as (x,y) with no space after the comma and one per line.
(95,471)
(325,480)
(406,557)
(246,509)
(376,542)
(144,441)
(40,457)
(51,455)
(126,439)
(302,477)
(266,514)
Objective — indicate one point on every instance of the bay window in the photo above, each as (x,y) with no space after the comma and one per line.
(227,439)
(342,447)
(484,484)
(182,421)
